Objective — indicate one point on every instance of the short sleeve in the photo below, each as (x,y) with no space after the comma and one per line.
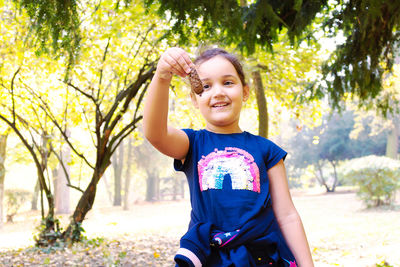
(178,166)
(274,154)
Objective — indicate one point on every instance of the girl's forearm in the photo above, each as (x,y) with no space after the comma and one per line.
(155,114)
(293,231)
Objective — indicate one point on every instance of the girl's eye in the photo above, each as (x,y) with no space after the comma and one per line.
(228,83)
(206,87)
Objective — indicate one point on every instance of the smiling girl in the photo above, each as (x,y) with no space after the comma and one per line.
(242,212)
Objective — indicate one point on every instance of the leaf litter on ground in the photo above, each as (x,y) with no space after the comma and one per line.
(146,250)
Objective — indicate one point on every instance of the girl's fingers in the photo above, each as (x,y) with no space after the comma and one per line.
(179,60)
(185,61)
(173,66)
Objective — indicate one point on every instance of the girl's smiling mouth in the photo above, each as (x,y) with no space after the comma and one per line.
(219,104)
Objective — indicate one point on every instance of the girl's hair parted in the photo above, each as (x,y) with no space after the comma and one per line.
(213,52)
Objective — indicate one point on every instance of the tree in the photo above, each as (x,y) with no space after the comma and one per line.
(21,111)
(371,42)
(102,96)
(36,139)
(109,93)
(331,143)
(369,29)
(379,128)
(18,111)
(389,123)
(280,80)
(35,134)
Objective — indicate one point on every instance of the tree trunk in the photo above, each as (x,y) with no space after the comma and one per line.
(320,177)
(118,163)
(61,190)
(108,188)
(335,180)
(44,187)
(73,231)
(3,146)
(392,144)
(35,195)
(49,223)
(151,190)
(262,105)
(86,202)
(127,175)
(183,185)
(176,187)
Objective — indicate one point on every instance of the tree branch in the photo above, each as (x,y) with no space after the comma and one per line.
(102,66)
(33,154)
(48,112)
(12,91)
(128,95)
(124,133)
(82,92)
(86,119)
(65,170)
(140,99)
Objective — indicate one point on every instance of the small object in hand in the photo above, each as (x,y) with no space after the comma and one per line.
(195,82)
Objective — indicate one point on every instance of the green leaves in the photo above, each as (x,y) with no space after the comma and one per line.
(297,5)
(357,66)
(56,26)
(248,26)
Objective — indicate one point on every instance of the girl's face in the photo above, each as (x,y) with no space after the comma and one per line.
(223,95)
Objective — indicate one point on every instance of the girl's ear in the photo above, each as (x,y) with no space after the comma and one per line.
(246,92)
(194,100)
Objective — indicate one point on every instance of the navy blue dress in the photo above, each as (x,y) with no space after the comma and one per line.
(232,221)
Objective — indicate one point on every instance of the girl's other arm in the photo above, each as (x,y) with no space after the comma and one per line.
(168,140)
(287,216)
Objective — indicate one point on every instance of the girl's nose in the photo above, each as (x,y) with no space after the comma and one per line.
(218,89)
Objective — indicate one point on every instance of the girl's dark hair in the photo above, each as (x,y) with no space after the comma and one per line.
(208,54)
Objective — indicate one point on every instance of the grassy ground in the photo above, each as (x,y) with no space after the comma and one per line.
(341,232)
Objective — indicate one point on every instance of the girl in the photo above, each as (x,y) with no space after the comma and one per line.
(242,212)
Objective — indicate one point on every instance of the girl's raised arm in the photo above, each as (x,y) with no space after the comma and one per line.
(168,140)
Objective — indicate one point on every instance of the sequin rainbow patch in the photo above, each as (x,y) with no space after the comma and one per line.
(236,162)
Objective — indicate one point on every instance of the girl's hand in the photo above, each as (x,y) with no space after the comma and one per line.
(174,61)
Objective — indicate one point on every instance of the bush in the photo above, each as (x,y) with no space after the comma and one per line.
(376,177)
(15,198)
